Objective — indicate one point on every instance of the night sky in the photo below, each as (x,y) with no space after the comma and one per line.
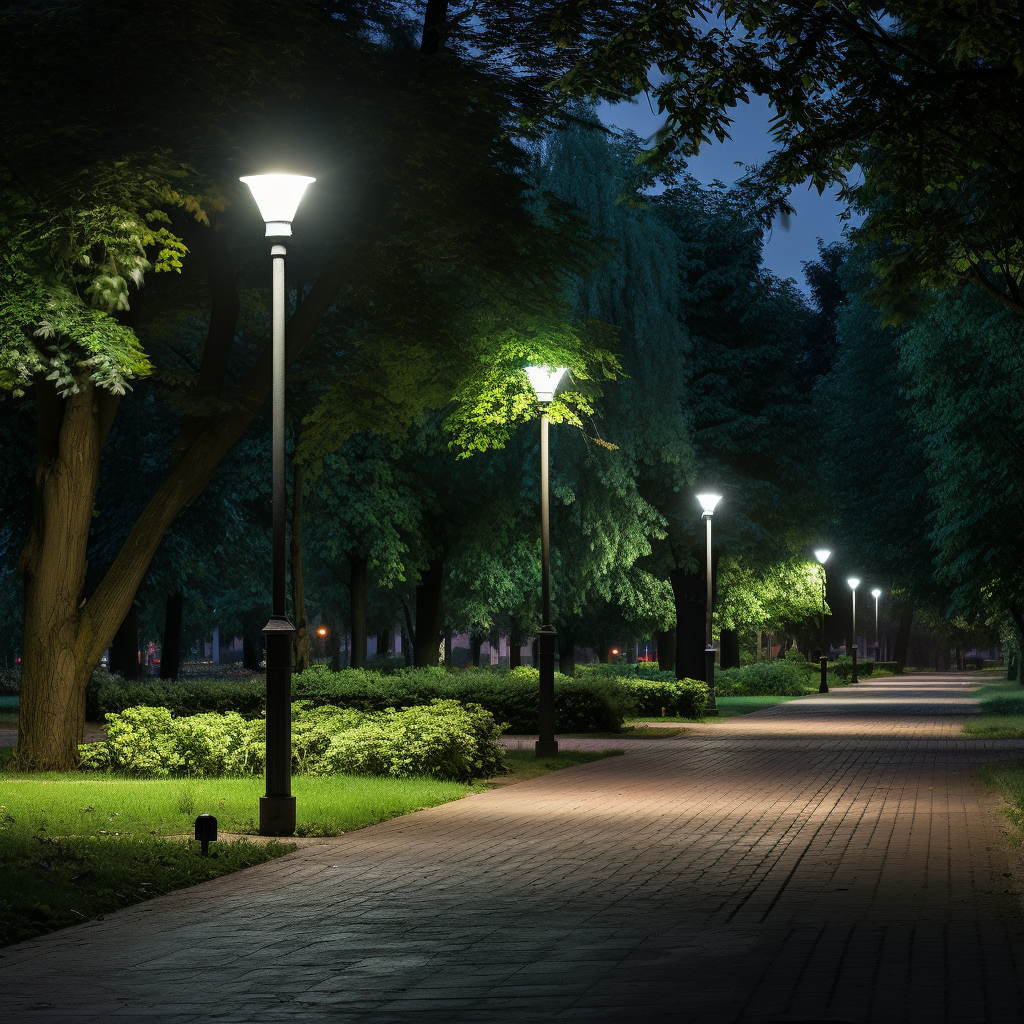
(817,216)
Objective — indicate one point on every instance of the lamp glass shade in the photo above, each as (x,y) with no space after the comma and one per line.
(876,593)
(544,380)
(854,582)
(278,197)
(708,502)
(822,555)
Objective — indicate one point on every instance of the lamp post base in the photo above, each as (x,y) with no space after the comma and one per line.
(853,674)
(546,748)
(277,815)
(823,688)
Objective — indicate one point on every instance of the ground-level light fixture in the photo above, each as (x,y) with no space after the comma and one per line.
(708,501)
(545,380)
(278,197)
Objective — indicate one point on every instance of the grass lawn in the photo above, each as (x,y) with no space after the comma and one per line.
(1002,712)
(1008,778)
(526,765)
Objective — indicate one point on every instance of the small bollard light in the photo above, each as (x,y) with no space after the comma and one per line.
(206,831)
(662,712)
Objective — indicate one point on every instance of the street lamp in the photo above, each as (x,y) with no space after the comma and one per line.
(278,197)
(876,594)
(544,381)
(708,503)
(854,583)
(822,556)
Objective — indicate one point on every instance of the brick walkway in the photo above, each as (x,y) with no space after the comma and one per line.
(828,859)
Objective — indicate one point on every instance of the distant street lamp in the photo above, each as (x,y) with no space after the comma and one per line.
(876,594)
(854,583)
(708,503)
(822,556)
(544,381)
(278,197)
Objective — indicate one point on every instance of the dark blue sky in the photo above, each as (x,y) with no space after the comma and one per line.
(817,216)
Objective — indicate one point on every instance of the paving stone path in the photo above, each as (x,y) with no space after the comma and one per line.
(828,859)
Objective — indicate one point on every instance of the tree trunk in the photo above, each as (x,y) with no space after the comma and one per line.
(383,644)
(730,644)
(906,613)
(688,591)
(300,644)
(170,649)
(447,656)
(567,654)
(665,642)
(409,640)
(429,614)
(357,603)
(515,646)
(476,645)
(124,651)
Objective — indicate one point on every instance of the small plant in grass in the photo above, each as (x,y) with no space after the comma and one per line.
(1008,778)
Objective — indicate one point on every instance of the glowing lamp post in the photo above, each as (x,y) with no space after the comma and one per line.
(278,197)
(876,594)
(707,504)
(854,583)
(544,381)
(822,556)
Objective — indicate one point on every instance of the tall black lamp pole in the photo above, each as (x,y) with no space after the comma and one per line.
(876,594)
(854,583)
(708,503)
(822,556)
(278,197)
(544,381)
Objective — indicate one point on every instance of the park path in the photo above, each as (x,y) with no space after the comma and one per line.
(829,859)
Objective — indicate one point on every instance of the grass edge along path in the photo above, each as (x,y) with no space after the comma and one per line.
(995,723)
(77,846)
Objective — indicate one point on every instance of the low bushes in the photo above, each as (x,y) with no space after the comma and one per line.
(443,739)
(686,698)
(763,679)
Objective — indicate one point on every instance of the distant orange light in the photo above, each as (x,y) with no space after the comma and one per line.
(615,650)
(322,631)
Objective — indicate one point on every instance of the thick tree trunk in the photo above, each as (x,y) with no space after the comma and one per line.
(906,613)
(409,640)
(665,642)
(61,645)
(476,645)
(124,650)
(383,643)
(429,614)
(357,604)
(688,591)
(170,649)
(730,644)
(334,643)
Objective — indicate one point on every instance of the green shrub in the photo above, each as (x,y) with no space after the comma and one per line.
(842,667)
(109,694)
(686,698)
(445,740)
(793,656)
(762,679)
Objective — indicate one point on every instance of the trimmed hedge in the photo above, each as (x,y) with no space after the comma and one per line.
(443,739)
(762,679)
(591,703)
